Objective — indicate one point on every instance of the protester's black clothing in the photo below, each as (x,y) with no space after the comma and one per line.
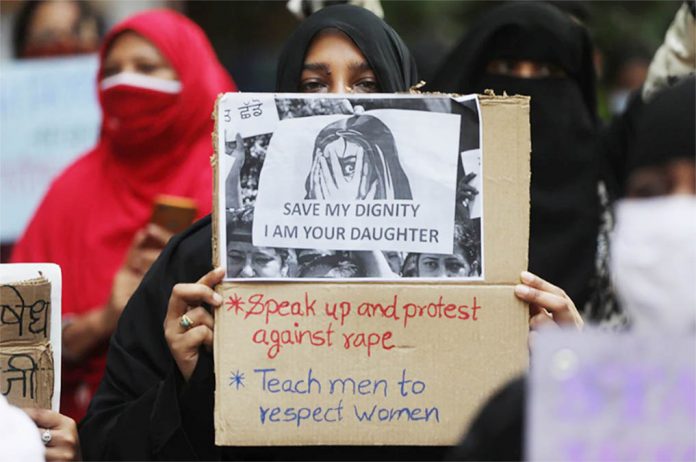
(664,128)
(385,52)
(144,410)
(497,432)
(564,215)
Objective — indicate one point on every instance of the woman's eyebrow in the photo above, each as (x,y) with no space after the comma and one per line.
(359,66)
(317,67)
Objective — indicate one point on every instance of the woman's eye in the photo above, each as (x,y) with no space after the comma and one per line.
(313,86)
(236,258)
(454,266)
(432,265)
(262,261)
(109,71)
(366,86)
(146,68)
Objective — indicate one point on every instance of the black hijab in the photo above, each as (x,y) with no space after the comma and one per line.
(382,47)
(665,128)
(564,216)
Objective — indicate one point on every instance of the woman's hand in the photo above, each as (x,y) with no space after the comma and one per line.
(332,184)
(64,444)
(466,194)
(549,305)
(187,299)
(83,333)
(233,182)
(144,250)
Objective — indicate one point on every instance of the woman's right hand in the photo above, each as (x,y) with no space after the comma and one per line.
(187,299)
(82,334)
(146,246)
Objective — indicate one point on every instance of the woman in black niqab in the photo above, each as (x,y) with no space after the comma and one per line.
(564,218)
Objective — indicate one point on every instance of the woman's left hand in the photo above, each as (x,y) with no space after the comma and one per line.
(64,444)
(549,305)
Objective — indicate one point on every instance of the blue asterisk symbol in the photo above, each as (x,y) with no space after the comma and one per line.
(237,379)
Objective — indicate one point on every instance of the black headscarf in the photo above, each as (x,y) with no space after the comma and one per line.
(384,50)
(665,128)
(564,202)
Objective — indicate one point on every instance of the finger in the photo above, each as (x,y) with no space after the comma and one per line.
(562,308)
(157,235)
(542,320)
(200,317)
(62,437)
(547,300)
(372,193)
(142,259)
(468,178)
(326,173)
(328,182)
(538,283)
(190,341)
(239,151)
(359,166)
(212,277)
(44,418)
(186,295)
(61,454)
(336,167)
(139,238)
(321,182)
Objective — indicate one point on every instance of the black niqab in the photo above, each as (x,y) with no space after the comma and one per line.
(385,52)
(564,215)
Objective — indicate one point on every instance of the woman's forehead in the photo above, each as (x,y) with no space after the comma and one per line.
(330,44)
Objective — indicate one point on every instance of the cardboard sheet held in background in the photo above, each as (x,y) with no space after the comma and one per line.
(408,363)
(30,334)
(27,375)
(26,362)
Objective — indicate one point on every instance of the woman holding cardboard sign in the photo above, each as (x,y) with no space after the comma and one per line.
(158,78)
(156,400)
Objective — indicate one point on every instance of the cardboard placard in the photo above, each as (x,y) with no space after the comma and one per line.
(600,396)
(26,362)
(25,309)
(399,362)
(30,334)
(27,375)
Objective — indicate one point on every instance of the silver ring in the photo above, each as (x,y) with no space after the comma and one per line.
(46,436)
(185,322)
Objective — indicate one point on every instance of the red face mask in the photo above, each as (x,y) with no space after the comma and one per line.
(138,109)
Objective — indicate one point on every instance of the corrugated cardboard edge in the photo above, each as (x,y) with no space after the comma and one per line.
(215,164)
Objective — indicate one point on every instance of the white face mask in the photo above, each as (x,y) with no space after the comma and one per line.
(653,261)
(134,79)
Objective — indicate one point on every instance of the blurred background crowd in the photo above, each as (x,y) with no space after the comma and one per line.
(247,36)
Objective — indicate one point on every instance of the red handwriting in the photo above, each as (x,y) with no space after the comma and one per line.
(276,339)
(367,340)
(440,310)
(269,307)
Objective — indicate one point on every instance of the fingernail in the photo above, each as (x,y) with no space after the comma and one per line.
(217,298)
(527,276)
(521,289)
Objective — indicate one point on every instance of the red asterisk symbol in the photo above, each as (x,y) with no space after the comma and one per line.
(235,302)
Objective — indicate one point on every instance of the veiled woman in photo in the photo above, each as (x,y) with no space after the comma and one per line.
(356,158)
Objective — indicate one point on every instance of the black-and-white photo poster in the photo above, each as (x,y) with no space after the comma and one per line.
(374,187)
